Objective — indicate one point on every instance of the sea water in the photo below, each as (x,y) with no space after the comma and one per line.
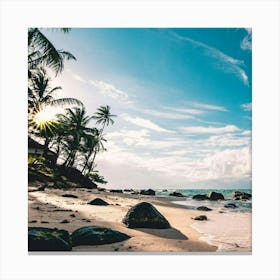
(228,229)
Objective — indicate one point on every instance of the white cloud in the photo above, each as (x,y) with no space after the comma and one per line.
(209,129)
(144,123)
(246,43)
(227,140)
(190,111)
(209,107)
(226,62)
(78,78)
(110,90)
(246,106)
(167,115)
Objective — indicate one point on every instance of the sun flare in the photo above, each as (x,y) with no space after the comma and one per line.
(46,117)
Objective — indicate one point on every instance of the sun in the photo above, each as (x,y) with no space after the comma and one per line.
(45,117)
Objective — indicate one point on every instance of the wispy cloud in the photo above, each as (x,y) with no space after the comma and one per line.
(144,123)
(209,107)
(246,106)
(190,111)
(78,78)
(246,43)
(226,63)
(110,90)
(167,115)
(209,129)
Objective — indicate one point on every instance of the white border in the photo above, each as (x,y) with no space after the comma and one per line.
(262,16)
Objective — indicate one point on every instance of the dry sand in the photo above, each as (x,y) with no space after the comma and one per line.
(48,209)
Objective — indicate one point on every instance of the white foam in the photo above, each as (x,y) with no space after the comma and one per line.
(228,231)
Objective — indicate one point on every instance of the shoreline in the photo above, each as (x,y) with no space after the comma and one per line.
(48,208)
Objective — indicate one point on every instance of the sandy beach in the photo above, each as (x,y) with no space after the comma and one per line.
(49,209)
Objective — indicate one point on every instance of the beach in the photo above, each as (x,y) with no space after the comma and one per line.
(50,209)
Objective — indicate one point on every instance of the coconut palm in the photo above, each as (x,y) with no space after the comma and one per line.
(75,123)
(42,52)
(103,116)
(93,145)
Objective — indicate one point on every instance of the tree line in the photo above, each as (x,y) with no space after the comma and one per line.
(70,135)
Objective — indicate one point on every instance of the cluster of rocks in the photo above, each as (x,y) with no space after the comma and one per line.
(48,239)
(210,196)
(142,215)
(241,195)
(177,194)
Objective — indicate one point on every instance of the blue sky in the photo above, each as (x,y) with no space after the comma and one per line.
(183,100)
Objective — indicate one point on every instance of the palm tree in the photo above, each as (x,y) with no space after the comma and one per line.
(104,117)
(93,145)
(40,93)
(75,123)
(42,52)
(40,97)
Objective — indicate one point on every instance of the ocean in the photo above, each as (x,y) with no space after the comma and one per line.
(228,229)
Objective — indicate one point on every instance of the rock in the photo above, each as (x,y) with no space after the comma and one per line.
(148,192)
(215,196)
(176,194)
(69,195)
(44,222)
(165,190)
(60,185)
(230,205)
(47,239)
(116,191)
(41,188)
(65,222)
(241,195)
(200,197)
(201,218)
(203,208)
(128,190)
(33,221)
(98,201)
(145,215)
(101,189)
(97,236)
(72,215)
(135,192)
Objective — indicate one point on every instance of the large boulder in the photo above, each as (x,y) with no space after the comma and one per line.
(215,196)
(177,194)
(145,215)
(96,236)
(48,239)
(200,197)
(241,195)
(203,208)
(148,192)
(98,201)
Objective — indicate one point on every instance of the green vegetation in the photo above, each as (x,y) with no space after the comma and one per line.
(70,138)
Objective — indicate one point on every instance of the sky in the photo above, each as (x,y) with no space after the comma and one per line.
(182,99)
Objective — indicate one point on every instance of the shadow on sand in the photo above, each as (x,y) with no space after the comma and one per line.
(170,233)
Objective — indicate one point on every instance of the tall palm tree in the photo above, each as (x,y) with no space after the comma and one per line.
(75,122)
(103,116)
(41,51)
(93,145)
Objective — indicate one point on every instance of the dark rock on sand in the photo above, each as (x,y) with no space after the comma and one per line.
(47,239)
(200,197)
(148,192)
(135,192)
(230,205)
(145,215)
(72,215)
(98,201)
(116,191)
(96,236)
(65,222)
(69,195)
(215,196)
(101,189)
(201,218)
(203,208)
(241,195)
(176,194)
